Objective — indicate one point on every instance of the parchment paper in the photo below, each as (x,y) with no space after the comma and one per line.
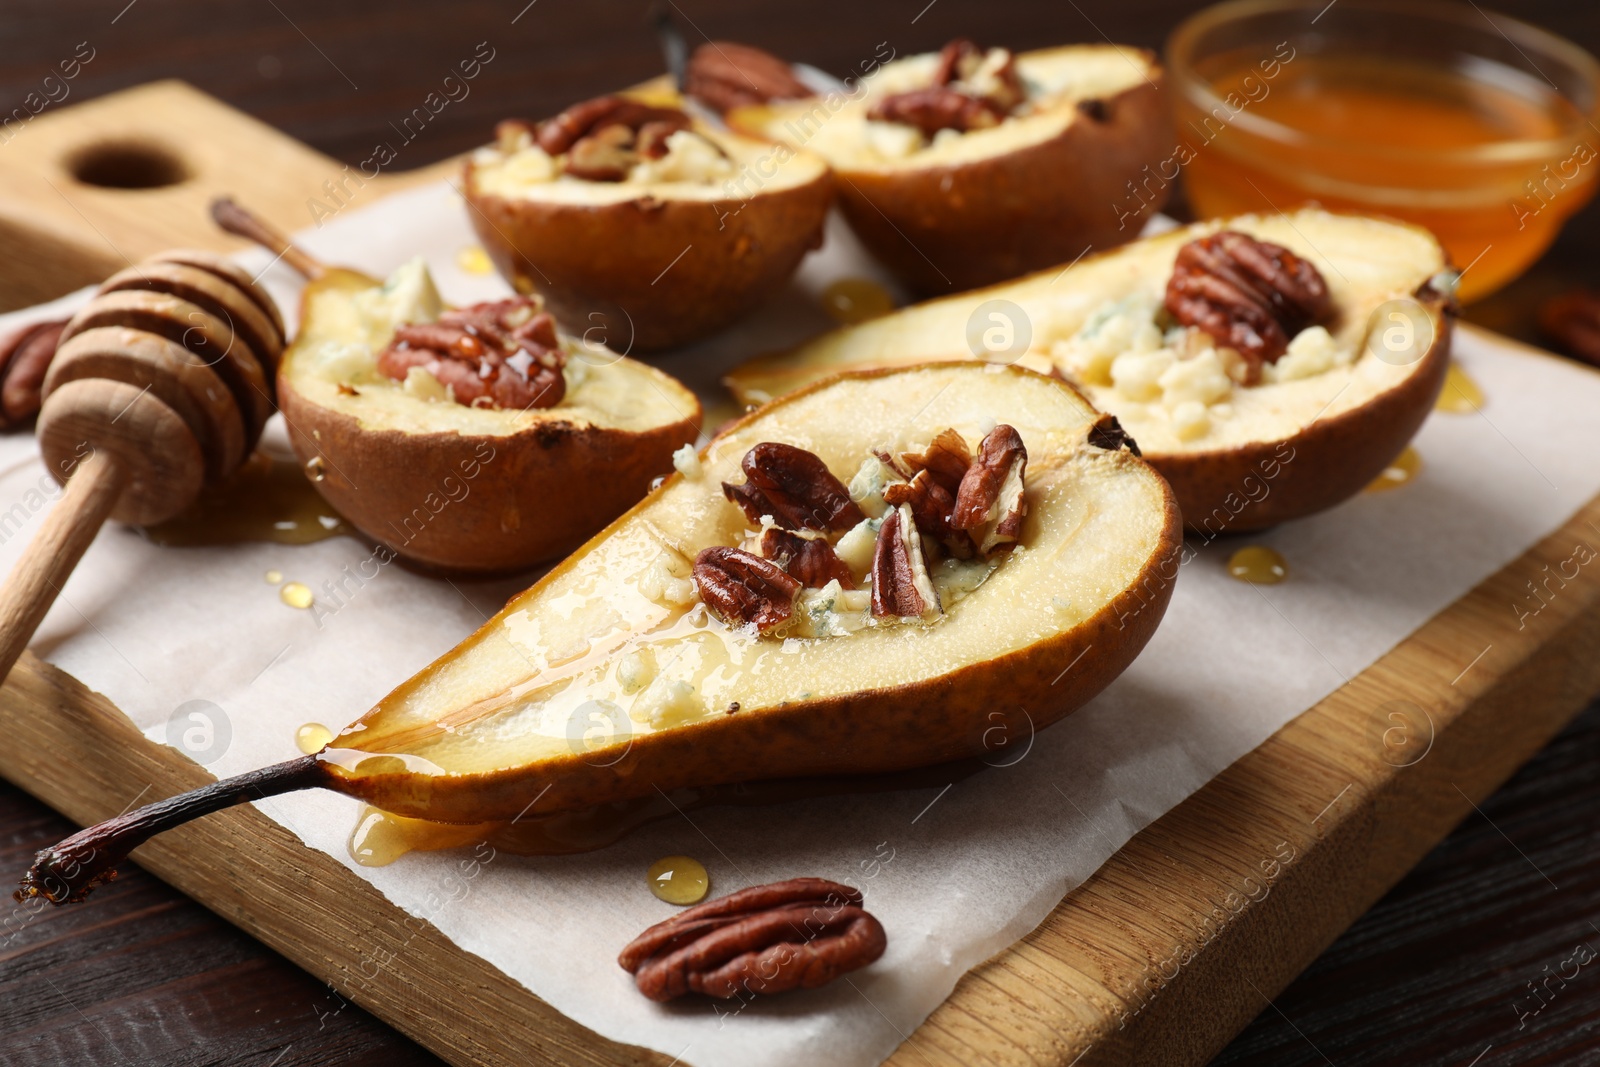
(955,873)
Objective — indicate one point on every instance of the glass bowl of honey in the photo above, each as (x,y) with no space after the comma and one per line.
(1478,126)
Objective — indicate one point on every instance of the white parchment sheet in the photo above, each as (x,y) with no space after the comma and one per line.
(955,874)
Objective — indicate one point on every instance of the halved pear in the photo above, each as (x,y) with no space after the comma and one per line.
(658,259)
(966,209)
(1275,451)
(458,488)
(602,682)
(588,689)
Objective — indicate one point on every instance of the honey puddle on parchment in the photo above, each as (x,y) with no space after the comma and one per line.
(267,499)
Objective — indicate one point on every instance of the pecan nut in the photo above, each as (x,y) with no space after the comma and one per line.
(932,506)
(25,356)
(987,74)
(795,487)
(557,135)
(724,75)
(501,354)
(991,502)
(744,589)
(901,587)
(947,458)
(810,560)
(1572,321)
(797,934)
(1250,295)
(936,108)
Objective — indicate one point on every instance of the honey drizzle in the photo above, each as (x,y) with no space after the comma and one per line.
(1460,395)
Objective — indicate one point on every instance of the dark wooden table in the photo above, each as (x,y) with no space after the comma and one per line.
(1460,965)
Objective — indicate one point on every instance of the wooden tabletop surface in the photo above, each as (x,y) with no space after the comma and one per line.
(1478,958)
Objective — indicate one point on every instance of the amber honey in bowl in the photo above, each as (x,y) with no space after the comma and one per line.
(1471,124)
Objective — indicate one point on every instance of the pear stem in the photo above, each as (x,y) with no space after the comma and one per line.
(66,872)
(238,220)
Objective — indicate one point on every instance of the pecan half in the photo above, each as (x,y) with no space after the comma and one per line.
(931,504)
(901,587)
(607,155)
(724,75)
(501,354)
(744,589)
(811,560)
(557,135)
(25,356)
(797,934)
(1107,433)
(1572,321)
(793,486)
(991,502)
(936,108)
(1250,295)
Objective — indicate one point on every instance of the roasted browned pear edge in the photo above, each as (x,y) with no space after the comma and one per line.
(478,504)
(835,735)
(949,227)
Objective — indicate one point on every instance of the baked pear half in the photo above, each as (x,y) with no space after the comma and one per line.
(852,580)
(1268,366)
(968,166)
(472,440)
(641,227)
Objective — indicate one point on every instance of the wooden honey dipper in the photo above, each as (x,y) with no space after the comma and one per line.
(160,387)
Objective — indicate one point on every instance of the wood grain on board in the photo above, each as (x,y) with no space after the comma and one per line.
(1164,954)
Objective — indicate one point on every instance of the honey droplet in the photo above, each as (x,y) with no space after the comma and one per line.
(1257,565)
(274,577)
(679,879)
(474,260)
(1402,469)
(852,300)
(316,468)
(1460,395)
(312,737)
(296,595)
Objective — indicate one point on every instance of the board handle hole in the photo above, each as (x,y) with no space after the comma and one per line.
(127,165)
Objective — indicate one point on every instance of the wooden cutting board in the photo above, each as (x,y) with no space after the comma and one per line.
(1165,953)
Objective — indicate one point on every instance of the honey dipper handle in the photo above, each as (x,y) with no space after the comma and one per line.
(233,217)
(64,536)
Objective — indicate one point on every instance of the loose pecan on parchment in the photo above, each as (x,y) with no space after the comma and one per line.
(25,356)
(797,934)
(724,75)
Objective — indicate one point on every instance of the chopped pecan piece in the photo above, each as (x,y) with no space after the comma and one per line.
(932,504)
(793,486)
(723,75)
(1107,433)
(946,458)
(989,75)
(607,155)
(743,589)
(1249,295)
(901,587)
(1572,320)
(25,356)
(991,503)
(811,560)
(501,354)
(937,108)
(797,934)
